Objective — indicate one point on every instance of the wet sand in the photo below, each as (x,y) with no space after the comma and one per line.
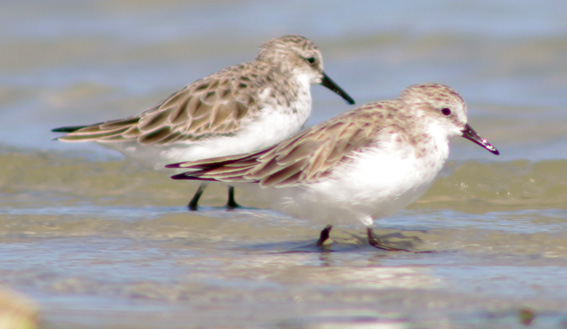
(118,251)
(96,241)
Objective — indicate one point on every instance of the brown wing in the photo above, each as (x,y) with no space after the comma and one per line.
(213,105)
(307,157)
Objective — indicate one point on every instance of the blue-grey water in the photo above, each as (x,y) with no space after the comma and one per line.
(97,241)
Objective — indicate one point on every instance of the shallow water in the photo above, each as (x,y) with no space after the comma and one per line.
(98,241)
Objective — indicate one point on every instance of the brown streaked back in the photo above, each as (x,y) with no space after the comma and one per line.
(304,158)
(212,106)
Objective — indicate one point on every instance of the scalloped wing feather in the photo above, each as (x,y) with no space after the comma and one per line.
(210,106)
(304,158)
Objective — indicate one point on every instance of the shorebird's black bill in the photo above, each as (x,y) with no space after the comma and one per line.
(471,135)
(327,82)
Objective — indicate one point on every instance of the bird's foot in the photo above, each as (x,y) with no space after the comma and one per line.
(376,243)
(324,239)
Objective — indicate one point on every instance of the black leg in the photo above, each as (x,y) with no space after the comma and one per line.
(194,202)
(324,235)
(376,243)
(231,203)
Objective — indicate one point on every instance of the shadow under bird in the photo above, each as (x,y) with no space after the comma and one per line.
(241,108)
(358,167)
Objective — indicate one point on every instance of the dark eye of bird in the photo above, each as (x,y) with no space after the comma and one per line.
(446,111)
(311,60)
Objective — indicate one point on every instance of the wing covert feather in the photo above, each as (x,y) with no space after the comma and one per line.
(210,106)
(304,158)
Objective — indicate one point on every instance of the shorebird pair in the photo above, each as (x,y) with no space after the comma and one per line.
(240,126)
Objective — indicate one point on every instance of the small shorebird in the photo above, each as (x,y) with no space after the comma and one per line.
(360,166)
(239,109)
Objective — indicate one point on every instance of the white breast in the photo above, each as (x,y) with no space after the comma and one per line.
(272,124)
(378,182)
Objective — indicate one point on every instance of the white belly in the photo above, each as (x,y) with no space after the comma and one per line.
(269,127)
(376,184)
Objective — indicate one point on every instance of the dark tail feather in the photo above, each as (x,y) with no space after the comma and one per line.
(69,129)
(186,176)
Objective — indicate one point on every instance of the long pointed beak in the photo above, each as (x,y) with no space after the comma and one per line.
(471,135)
(327,82)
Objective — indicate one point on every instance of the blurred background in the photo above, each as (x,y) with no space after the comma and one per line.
(78,62)
(97,241)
